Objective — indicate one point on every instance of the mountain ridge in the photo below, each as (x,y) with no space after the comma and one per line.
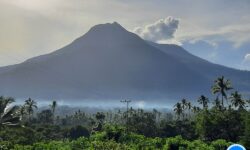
(110,62)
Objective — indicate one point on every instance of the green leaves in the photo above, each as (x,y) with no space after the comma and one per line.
(221,86)
(203,101)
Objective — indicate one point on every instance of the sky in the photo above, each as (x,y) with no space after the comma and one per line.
(216,30)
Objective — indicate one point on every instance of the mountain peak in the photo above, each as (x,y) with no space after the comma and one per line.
(107,32)
(108,27)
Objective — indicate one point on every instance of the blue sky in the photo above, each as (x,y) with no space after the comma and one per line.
(216,30)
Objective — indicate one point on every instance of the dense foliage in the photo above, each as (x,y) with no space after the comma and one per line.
(209,125)
(110,141)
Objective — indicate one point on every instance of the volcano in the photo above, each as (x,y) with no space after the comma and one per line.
(109,62)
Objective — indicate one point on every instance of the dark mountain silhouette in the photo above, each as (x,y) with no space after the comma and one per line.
(109,62)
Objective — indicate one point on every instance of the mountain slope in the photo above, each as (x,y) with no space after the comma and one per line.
(240,79)
(109,62)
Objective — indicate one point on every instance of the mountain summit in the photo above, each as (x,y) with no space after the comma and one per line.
(108,62)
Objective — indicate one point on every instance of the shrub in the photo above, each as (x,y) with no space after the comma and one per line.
(199,145)
(78,131)
(80,143)
(176,143)
(5,145)
(220,144)
(107,145)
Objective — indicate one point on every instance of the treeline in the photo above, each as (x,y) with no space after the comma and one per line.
(205,125)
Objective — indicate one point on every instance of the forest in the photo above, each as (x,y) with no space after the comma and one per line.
(203,124)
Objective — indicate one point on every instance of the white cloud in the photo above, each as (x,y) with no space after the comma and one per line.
(245,65)
(172,31)
(170,41)
(247,57)
(163,29)
(235,33)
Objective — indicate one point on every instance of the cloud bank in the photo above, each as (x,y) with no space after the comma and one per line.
(163,29)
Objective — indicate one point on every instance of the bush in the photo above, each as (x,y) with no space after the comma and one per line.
(220,144)
(53,145)
(78,131)
(5,145)
(245,139)
(24,136)
(80,143)
(107,145)
(176,143)
(199,145)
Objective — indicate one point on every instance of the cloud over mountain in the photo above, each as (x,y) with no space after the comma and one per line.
(246,62)
(162,29)
(247,57)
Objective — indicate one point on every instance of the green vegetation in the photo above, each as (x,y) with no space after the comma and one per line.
(212,124)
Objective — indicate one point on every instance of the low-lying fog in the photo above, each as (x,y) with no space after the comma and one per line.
(67,107)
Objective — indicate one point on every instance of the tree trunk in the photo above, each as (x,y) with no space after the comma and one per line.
(222,100)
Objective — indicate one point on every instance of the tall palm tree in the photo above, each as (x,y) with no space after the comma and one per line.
(189,107)
(53,106)
(8,114)
(30,104)
(203,101)
(221,86)
(178,109)
(184,103)
(184,106)
(237,101)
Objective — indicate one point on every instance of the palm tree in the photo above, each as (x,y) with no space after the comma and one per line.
(155,112)
(184,106)
(237,101)
(195,109)
(53,108)
(100,117)
(22,111)
(30,105)
(203,101)
(217,104)
(178,109)
(189,107)
(221,86)
(8,114)
(159,116)
(184,103)
(248,102)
